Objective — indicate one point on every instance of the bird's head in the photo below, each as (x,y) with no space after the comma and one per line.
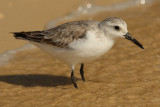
(114,27)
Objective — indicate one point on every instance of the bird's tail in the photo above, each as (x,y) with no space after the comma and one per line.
(35,36)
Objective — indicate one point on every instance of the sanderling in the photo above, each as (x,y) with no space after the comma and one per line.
(79,41)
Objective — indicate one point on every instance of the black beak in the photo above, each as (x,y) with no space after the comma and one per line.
(132,39)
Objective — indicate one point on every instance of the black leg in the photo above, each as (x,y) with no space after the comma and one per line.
(73,79)
(82,72)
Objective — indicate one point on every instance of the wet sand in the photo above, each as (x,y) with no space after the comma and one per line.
(126,76)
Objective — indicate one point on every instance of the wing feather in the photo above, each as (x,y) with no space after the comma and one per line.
(60,36)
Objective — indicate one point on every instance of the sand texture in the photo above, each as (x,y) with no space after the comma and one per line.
(126,76)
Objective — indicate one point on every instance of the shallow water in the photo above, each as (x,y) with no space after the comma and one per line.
(125,76)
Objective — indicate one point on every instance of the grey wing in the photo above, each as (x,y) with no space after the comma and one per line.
(61,36)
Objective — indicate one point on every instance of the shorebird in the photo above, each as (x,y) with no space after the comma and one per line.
(79,41)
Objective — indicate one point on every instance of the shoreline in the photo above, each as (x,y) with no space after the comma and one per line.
(74,15)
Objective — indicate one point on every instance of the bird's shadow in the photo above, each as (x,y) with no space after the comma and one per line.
(33,80)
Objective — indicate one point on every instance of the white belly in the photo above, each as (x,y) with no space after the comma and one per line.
(81,50)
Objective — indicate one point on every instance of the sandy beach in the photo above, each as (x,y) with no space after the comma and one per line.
(126,76)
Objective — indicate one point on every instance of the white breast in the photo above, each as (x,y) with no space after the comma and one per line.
(92,46)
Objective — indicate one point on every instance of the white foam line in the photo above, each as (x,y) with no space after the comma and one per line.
(6,56)
(90,9)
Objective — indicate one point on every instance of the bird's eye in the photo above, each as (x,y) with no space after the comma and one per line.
(116,27)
